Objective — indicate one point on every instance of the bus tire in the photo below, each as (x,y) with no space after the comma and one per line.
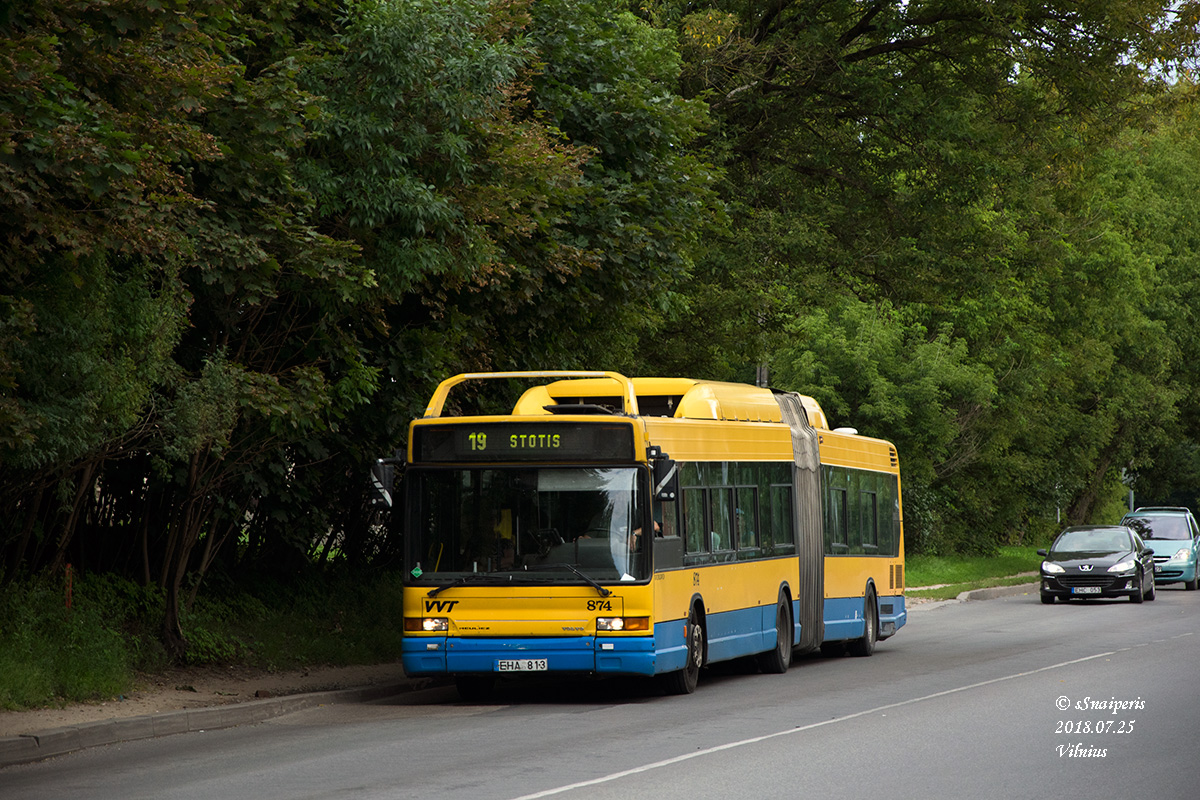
(475,688)
(777,660)
(683,681)
(866,645)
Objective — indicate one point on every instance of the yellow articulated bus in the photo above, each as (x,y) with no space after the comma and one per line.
(644,526)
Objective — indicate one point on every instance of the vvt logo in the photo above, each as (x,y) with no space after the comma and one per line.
(441,605)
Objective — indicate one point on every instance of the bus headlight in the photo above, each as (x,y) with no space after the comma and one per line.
(426,624)
(622,623)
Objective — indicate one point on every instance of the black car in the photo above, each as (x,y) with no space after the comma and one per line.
(1098,561)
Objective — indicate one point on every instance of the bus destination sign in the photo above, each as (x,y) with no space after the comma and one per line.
(507,441)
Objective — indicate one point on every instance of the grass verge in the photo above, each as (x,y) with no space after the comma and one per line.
(931,570)
(952,590)
(955,574)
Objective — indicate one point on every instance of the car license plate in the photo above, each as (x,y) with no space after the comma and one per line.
(1157,569)
(1086,590)
(522,665)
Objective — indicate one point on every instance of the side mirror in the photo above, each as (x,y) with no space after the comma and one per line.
(383,476)
(1042,552)
(664,473)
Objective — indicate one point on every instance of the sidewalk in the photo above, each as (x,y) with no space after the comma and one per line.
(47,743)
(41,744)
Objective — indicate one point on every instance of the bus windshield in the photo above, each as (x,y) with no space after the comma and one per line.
(548,523)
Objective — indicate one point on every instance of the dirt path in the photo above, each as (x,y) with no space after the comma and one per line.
(197,688)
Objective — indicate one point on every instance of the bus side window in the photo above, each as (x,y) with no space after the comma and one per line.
(746,516)
(722,528)
(668,518)
(836,523)
(693,520)
(869,522)
(783,535)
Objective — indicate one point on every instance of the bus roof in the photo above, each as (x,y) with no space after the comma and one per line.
(681,398)
(579,391)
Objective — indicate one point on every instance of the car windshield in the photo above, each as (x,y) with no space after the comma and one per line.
(1091,540)
(521,524)
(1160,527)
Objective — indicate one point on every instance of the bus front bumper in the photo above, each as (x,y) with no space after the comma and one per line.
(608,655)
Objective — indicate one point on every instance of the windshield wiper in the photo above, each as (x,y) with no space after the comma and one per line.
(482,577)
(603,592)
(464,580)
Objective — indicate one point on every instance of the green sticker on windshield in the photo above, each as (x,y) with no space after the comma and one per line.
(416,571)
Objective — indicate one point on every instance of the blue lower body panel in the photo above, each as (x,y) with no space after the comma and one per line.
(732,634)
(844,617)
(615,655)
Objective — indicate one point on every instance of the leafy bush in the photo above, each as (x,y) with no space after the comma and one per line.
(51,654)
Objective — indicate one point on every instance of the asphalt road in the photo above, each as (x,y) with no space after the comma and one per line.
(1002,698)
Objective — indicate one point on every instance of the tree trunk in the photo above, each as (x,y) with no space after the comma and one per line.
(81,495)
(181,538)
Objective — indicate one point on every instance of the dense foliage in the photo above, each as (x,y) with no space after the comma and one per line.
(242,242)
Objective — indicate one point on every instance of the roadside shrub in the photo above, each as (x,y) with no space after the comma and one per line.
(49,652)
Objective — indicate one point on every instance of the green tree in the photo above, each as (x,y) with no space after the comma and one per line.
(950,166)
(172,310)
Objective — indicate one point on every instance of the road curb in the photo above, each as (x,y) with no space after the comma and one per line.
(999,591)
(29,747)
(989,593)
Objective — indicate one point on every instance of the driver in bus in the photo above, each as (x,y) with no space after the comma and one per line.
(635,539)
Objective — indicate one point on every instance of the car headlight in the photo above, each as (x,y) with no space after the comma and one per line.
(1051,567)
(1124,566)
(1181,555)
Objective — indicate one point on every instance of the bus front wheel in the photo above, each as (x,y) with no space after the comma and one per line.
(683,681)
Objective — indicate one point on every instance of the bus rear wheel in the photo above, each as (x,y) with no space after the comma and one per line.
(683,681)
(777,660)
(866,645)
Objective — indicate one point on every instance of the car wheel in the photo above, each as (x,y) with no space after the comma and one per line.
(1152,592)
(1047,598)
(1194,582)
(1138,594)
